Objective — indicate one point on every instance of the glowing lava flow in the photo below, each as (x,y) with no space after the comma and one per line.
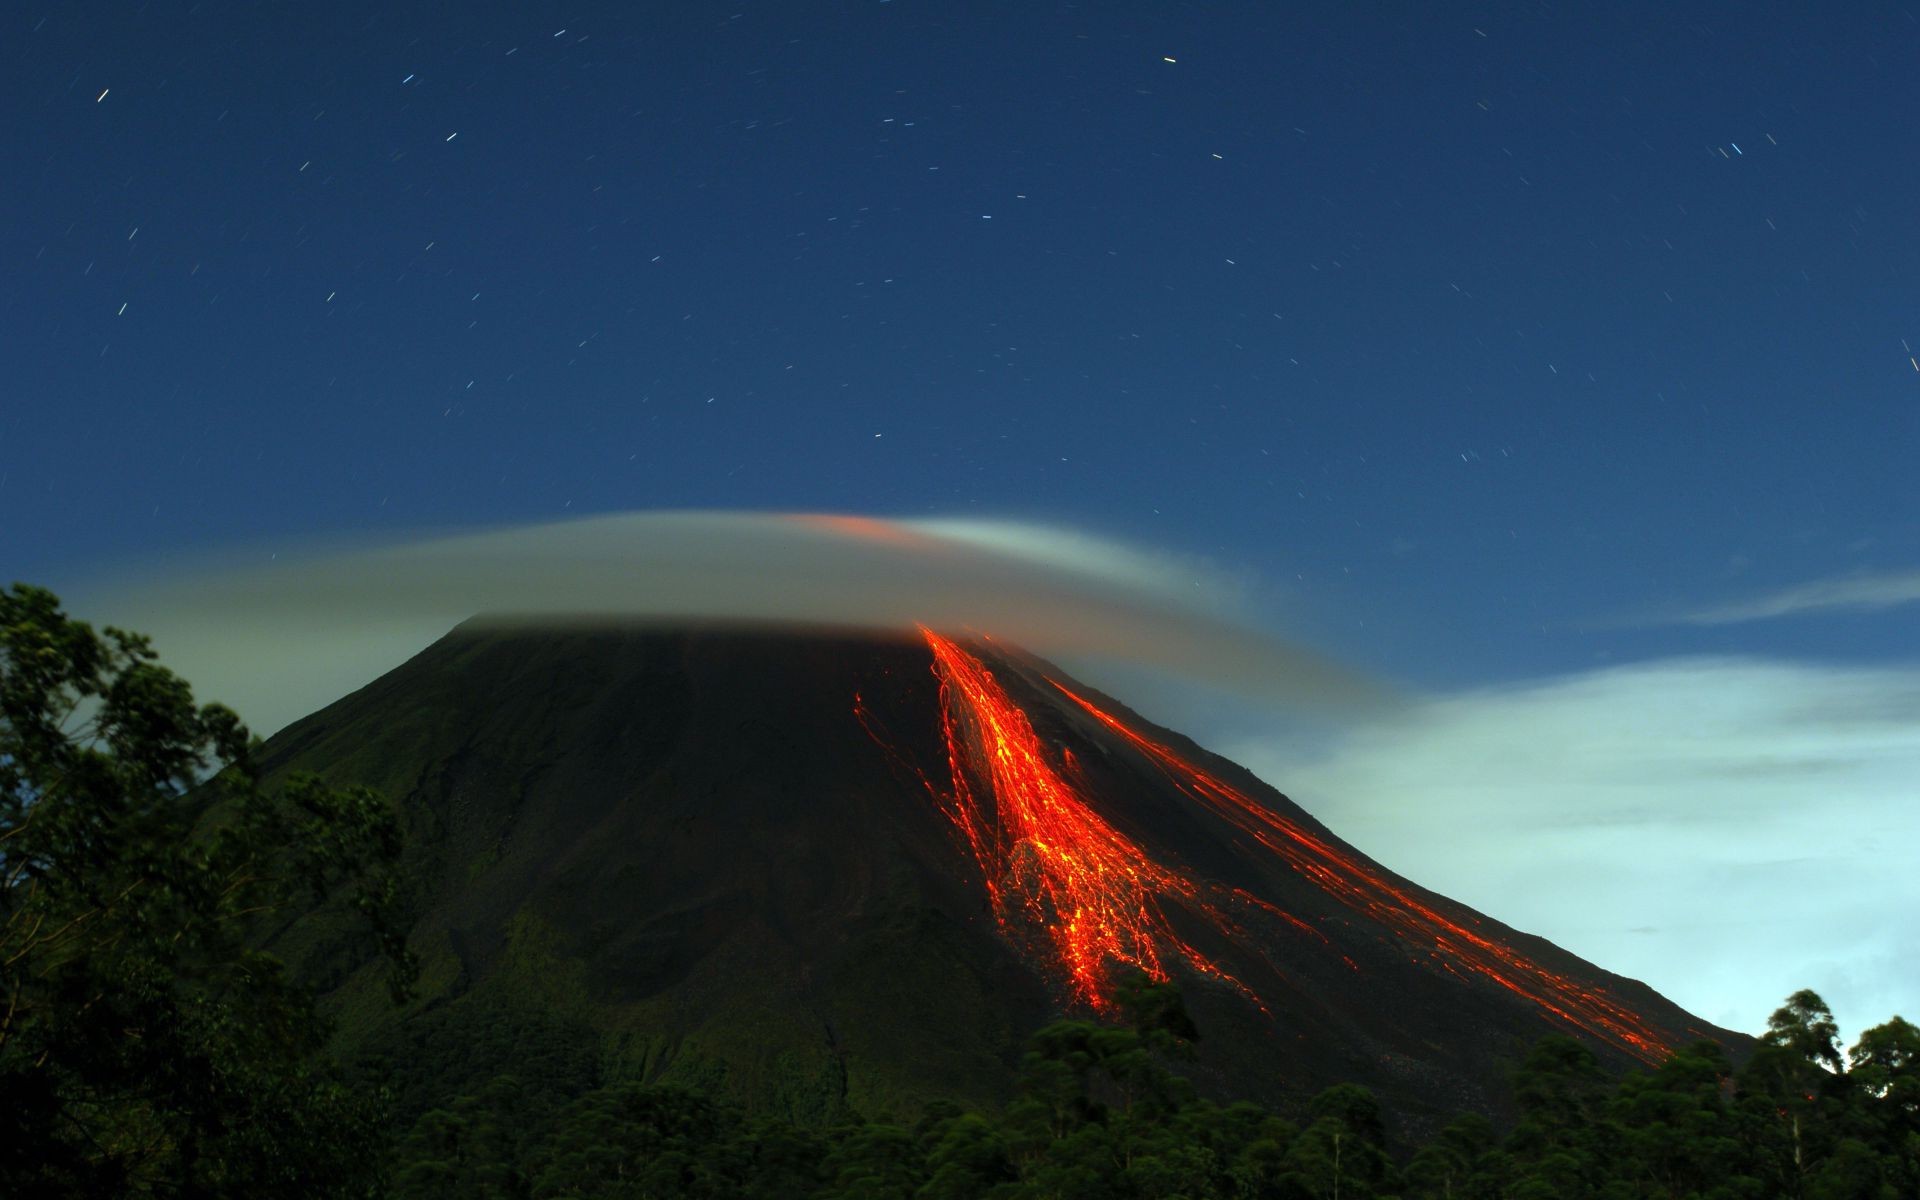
(1059,873)
(1359,886)
(1053,866)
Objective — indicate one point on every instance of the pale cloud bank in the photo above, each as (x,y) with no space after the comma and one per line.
(1851,593)
(278,640)
(1727,830)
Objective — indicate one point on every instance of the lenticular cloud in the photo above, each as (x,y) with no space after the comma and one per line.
(279,639)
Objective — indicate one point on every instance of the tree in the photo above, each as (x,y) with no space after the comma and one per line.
(1885,1067)
(1805,1026)
(966,1153)
(471,1148)
(147,1044)
(1885,1062)
(1791,1092)
(1442,1167)
(1158,1013)
(631,1140)
(1554,1150)
(1676,1133)
(1342,1152)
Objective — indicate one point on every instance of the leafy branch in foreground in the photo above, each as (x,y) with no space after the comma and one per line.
(146,1043)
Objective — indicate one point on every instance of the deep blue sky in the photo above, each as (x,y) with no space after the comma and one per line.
(1469,332)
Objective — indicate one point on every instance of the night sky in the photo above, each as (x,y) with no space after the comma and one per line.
(1556,361)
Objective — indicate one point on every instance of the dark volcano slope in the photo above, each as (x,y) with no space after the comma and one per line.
(730,859)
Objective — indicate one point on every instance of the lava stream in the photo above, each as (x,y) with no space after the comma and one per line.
(1053,866)
(1359,886)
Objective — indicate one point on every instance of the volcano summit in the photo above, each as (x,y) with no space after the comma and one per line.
(835,873)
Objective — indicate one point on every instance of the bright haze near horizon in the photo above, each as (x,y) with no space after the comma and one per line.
(1557,363)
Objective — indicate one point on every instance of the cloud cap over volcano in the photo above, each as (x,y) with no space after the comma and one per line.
(332,619)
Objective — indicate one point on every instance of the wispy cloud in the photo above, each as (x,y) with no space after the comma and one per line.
(1869,592)
(1726,829)
(278,640)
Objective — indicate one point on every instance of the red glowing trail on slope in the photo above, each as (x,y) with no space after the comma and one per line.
(1053,866)
(1359,886)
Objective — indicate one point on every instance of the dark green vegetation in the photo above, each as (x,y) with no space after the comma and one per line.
(149,1045)
(146,1044)
(1099,1115)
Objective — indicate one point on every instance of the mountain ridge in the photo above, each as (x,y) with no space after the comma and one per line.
(730,857)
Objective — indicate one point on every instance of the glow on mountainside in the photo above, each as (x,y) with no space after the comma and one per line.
(1052,865)
(1456,949)
(1080,894)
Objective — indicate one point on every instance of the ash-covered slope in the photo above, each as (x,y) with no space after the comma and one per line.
(834,872)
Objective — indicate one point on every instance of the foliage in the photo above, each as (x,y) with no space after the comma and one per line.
(1100,1115)
(147,1046)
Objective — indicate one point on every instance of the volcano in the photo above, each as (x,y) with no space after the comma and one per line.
(834,873)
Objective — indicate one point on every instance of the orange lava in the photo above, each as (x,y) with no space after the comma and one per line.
(865,529)
(1454,947)
(1055,869)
